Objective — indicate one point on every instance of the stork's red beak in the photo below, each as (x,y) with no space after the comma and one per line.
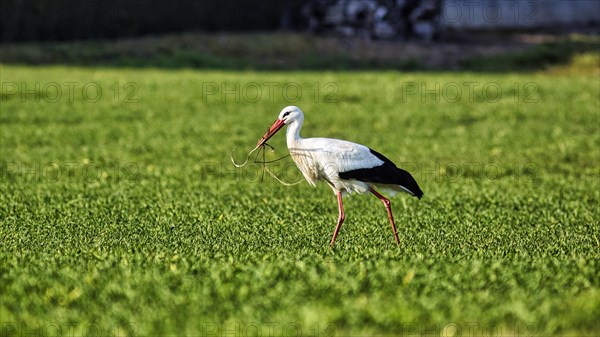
(272,130)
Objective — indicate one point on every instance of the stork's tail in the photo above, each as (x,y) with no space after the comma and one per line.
(386,174)
(407,182)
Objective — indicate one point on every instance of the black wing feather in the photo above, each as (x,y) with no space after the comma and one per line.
(387,173)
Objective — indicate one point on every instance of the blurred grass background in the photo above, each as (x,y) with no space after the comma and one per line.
(290,51)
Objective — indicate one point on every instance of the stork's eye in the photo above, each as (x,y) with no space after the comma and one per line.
(286,113)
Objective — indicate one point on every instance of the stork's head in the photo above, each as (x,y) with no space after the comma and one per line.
(287,115)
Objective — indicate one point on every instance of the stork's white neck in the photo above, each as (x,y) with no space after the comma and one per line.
(292,134)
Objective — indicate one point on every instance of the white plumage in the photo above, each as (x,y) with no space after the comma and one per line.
(323,159)
(346,167)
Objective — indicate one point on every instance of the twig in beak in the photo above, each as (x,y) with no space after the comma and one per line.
(264,162)
(247,158)
(262,175)
(272,148)
(281,181)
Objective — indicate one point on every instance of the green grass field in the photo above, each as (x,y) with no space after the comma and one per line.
(121,213)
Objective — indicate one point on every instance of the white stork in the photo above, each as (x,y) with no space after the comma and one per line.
(346,167)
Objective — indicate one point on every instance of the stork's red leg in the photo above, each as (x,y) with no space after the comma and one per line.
(340,218)
(388,208)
